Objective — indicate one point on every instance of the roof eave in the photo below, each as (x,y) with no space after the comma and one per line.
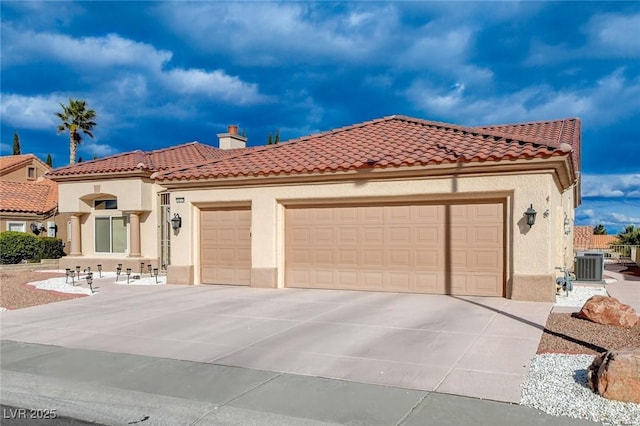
(556,163)
(100,176)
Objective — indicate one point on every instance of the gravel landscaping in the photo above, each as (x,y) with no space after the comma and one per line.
(16,294)
(557,379)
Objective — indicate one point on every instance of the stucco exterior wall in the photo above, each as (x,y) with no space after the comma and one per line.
(531,253)
(20,174)
(135,196)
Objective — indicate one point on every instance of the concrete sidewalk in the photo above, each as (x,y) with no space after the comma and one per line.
(119,389)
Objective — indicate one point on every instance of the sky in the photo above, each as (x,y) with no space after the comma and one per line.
(164,73)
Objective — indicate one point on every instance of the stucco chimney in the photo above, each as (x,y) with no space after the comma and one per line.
(231,140)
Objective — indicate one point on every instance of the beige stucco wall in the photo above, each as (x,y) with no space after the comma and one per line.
(134,195)
(532,253)
(20,174)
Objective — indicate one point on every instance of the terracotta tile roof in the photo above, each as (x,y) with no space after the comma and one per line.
(152,161)
(554,132)
(585,239)
(582,236)
(389,142)
(12,162)
(39,197)
(603,241)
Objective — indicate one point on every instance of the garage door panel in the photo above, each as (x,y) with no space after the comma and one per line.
(323,256)
(372,216)
(347,279)
(373,280)
(399,235)
(348,258)
(429,259)
(372,258)
(407,251)
(372,235)
(225,248)
(399,258)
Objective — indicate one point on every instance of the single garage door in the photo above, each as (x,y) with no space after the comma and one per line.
(438,249)
(225,246)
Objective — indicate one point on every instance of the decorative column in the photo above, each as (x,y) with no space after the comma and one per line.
(75,249)
(134,234)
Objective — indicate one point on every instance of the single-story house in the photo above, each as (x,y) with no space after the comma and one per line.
(394,204)
(28,200)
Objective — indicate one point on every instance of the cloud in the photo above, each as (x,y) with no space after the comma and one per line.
(607,36)
(614,35)
(614,216)
(90,148)
(273,34)
(611,185)
(611,98)
(215,84)
(31,112)
(109,51)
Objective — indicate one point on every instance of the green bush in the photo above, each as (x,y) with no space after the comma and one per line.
(18,246)
(51,248)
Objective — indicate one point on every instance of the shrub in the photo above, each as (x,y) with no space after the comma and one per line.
(18,246)
(52,248)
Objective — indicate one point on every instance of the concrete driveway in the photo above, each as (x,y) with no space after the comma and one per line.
(471,346)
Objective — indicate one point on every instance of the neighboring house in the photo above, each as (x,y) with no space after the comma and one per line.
(395,204)
(28,201)
(584,239)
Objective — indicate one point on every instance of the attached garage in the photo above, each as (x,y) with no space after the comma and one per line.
(225,246)
(444,248)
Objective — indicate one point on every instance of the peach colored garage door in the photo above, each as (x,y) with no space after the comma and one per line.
(225,246)
(439,249)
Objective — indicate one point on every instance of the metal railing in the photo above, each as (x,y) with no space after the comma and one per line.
(623,254)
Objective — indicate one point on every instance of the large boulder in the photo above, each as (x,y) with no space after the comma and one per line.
(608,310)
(616,375)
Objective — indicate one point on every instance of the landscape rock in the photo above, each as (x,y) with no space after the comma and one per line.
(616,375)
(609,311)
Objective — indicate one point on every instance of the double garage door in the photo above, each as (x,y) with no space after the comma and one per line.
(438,249)
(430,248)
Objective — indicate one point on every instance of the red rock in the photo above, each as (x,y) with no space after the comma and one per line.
(616,375)
(608,310)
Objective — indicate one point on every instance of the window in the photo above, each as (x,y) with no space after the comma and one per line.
(105,204)
(31,173)
(111,234)
(17,226)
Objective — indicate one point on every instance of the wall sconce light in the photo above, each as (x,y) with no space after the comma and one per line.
(531,216)
(34,228)
(176,222)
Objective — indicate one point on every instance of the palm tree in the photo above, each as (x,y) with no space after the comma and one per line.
(76,118)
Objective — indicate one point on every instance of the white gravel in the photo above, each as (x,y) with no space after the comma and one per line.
(557,385)
(579,296)
(80,286)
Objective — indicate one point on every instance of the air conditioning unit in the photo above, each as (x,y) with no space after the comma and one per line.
(589,266)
